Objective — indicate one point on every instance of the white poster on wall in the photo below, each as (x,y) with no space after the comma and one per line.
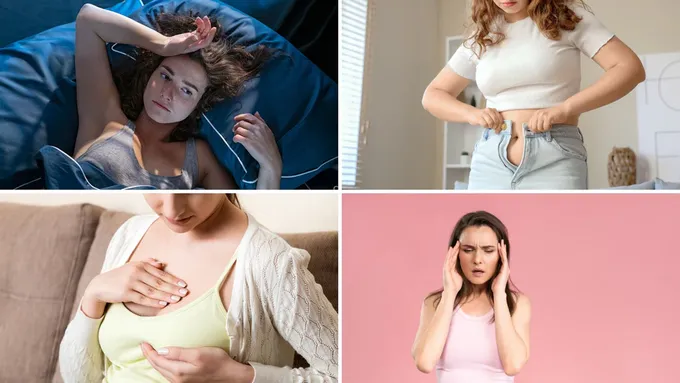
(658,114)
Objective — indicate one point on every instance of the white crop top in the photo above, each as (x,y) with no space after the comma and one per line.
(527,70)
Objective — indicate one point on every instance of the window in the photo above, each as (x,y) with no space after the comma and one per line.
(353,33)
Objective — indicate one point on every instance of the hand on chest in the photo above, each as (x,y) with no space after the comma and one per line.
(205,267)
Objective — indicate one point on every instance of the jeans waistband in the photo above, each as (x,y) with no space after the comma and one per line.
(560,130)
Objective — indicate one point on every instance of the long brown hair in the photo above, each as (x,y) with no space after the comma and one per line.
(228,66)
(477,219)
(551,17)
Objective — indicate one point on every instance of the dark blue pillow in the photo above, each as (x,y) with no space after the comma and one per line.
(37,100)
(296,99)
(20,21)
(271,13)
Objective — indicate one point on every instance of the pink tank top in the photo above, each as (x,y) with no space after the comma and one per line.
(470,354)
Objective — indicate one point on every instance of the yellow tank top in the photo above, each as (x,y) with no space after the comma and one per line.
(201,323)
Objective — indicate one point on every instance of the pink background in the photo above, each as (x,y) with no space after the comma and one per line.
(602,272)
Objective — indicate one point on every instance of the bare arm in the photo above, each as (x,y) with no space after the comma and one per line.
(432,333)
(269,179)
(254,134)
(440,97)
(115,28)
(97,96)
(215,176)
(512,333)
(623,71)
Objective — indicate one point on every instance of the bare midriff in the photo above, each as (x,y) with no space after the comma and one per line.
(518,118)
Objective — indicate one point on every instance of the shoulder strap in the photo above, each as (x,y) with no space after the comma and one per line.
(191,160)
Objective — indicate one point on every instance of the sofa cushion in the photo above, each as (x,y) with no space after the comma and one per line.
(109,222)
(649,185)
(42,255)
(323,247)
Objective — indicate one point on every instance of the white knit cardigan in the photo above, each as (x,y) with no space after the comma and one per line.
(277,308)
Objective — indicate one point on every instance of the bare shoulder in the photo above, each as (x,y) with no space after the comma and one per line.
(202,146)
(430,302)
(206,157)
(212,173)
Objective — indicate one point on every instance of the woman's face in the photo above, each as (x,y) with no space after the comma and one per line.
(512,6)
(478,254)
(183,212)
(174,89)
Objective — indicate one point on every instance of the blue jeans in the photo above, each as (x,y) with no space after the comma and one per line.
(552,160)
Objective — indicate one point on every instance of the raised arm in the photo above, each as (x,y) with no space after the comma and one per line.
(97,96)
(432,332)
(435,322)
(512,331)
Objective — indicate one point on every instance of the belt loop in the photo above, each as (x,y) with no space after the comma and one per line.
(548,135)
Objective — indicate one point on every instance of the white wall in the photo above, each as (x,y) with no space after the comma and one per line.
(453,14)
(291,212)
(404,50)
(649,26)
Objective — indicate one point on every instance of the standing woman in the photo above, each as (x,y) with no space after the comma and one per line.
(525,58)
(475,329)
(200,292)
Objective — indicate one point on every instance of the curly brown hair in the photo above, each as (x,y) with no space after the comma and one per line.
(551,17)
(227,65)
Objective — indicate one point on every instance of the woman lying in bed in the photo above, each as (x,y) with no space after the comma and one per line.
(142,128)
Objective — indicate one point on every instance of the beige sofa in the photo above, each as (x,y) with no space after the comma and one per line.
(48,255)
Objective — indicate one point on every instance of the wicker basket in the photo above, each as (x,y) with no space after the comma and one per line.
(621,167)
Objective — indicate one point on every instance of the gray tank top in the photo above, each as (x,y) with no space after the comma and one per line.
(115,156)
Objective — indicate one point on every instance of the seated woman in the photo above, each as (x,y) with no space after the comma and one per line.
(224,300)
(141,128)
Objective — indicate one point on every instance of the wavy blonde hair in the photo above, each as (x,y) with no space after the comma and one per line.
(551,17)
